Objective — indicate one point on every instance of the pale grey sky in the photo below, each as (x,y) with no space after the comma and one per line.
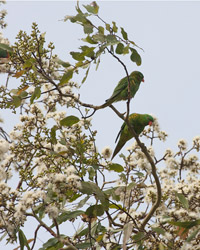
(169,34)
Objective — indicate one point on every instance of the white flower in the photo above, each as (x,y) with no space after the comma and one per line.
(70,170)
(162,135)
(196,141)
(155,125)
(151,151)
(169,153)
(14,135)
(2,174)
(67,89)
(4,146)
(172,163)
(73,178)
(52,211)
(106,152)
(182,144)
(41,168)
(59,177)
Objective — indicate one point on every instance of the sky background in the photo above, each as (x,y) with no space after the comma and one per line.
(169,34)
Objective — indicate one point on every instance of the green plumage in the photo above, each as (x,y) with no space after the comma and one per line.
(4,53)
(121,91)
(138,122)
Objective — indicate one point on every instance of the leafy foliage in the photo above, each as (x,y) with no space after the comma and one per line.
(63,181)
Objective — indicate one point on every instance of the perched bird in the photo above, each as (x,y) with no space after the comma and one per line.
(4,53)
(138,122)
(121,90)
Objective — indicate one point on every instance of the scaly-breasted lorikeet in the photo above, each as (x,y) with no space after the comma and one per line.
(138,122)
(121,90)
(4,53)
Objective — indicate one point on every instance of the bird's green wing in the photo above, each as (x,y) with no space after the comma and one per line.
(5,50)
(123,83)
(122,127)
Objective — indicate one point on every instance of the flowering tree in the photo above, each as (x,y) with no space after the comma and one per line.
(151,203)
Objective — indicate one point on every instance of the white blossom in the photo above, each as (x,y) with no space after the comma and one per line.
(162,135)
(4,146)
(52,211)
(70,170)
(182,144)
(106,152)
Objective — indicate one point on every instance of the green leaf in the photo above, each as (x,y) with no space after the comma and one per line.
(91,188)
(183,200)
(193,235)
(5,47)
(87,51)
(108,27)
(88,28)
(185,224)
(131,185)
(139,174)
(23,94)
(114,206)
(84,245)
(91,173)
(116,247)
(29,63)
(139,236)
(53,134)
(99,37)
(68,216)
(116,167)
(62,141)
(124,34)
(64,64)
(66,77)
(86,74)
(162,247)
(97,63)
(71,18)
(158,230)
(112,192)
(83,202)
(114,28)
(111,39)
(36,94)
(16,101)
(120,48)
(95,210)
(69,120)
(77,56)
(135,57)
(126,50)
(49,244)
(92,8)
(40,210)
(80,17)
(83,232)
(101,30)
(90,40)
(22,240)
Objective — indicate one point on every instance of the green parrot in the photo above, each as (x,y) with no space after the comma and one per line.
(4,53)
(121,90)
(138,122)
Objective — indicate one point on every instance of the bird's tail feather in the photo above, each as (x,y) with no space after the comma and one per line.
(118,148)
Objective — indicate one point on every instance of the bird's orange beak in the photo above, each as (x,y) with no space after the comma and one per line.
(150,123)
(143,80)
